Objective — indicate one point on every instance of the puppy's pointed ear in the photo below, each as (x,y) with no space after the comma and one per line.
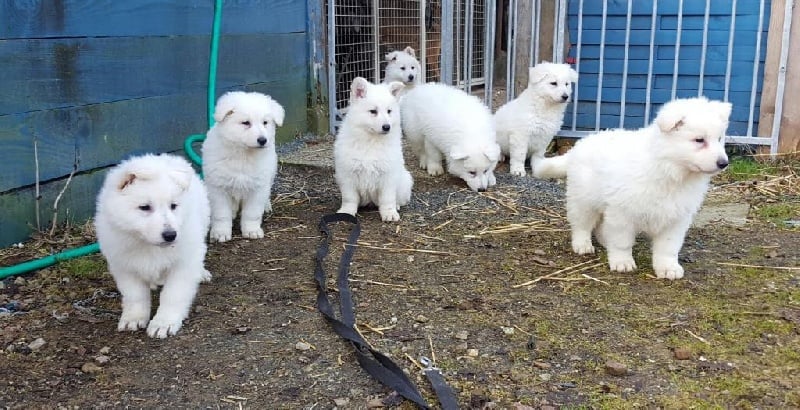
(395,87)
(410,51)
(391,56)
(492,152)
(225,105)
(536,74)
(126,180)
(277,111)
(181,177)
(573,75)
(358,88)
(670,118)
(723,109)
(457,154)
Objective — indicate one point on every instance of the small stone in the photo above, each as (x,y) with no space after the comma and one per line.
(542,365)
(302,346)
(375,403)
(462,335)
(19,281)
(616,368)
(462,347)
(36,344)
(545,376)
(507,330)
(102,359)
(421,319)
(105,350)
(682,353)
(90,367)
(341,401)
(472,352)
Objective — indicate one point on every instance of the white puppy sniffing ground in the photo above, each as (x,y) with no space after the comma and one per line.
(443,122)
(152,219)
(239,162)
(403,66)
(368,154)
(652,181)
(526,125)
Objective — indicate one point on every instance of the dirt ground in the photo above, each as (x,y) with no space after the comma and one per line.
(443,282)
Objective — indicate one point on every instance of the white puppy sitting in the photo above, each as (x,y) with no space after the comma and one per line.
(239,162)
(152,219)
(526,125)
(443,121)
(653,180)
(368,154)
(403,66)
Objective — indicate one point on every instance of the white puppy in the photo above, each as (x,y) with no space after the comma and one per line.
(152,220)
(368,155)
(652,181)
(239,162)
(403,66)
(439,120)
(526,125)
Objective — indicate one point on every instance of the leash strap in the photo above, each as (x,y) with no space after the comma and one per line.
(379,366)
(445,394)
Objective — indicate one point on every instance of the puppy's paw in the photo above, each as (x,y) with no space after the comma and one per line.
(491,180)
(517,170)
(435,169)
(253,233)
(669,271)
(220,234)
(390,215)
(205,277)
(133,320)
(160,328)
(583,248)
(621,264)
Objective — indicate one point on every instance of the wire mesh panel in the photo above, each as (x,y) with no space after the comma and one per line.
(354,46)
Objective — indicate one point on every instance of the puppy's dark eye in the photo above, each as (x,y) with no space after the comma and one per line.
(373,112)
(388,111)
(473,173)
(265,123)
(403,68)
(246,123)
(173,206)
(554,83)
(144,208)
(700,140)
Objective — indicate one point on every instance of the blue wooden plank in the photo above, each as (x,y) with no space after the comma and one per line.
(685,67)
(720,22)
(645,7)
(97,135)
(741,52)
(642,37)
(685,82)
(93,18)
(60,73)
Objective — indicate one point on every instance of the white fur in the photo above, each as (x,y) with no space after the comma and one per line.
(238,169)
(443,121)
(368,155)
(652,181)
(134,220)
(526,125)
(403,66)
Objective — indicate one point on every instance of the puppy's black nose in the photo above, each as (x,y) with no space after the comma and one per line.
(722,163)
(481,189)
(169,235)
(386,127)
(261,141)
(411,77)
(564,97)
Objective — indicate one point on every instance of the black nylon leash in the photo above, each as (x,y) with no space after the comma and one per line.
(378,365)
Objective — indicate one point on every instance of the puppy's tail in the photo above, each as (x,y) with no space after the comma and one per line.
(553,167)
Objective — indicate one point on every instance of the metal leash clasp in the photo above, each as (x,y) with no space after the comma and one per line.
(428,363)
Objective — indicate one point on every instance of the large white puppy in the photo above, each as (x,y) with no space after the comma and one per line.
(652,181)
(403,66)
(526,125)
(239,162)
(443,121)
(368,155)
(152,219)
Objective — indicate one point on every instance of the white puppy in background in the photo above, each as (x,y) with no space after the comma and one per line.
(526,125)
(442,121)
(152,219)
(403,66)
(239,162)
(652,181)
(368,154)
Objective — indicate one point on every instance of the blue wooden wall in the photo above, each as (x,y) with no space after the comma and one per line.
(91,82)
(747,19)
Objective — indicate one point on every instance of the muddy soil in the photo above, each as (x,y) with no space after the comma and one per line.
(443,282)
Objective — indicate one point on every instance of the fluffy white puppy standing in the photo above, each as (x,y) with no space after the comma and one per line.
(439,122)
(526,125)
(368,153)
(652,181)
(152,219)
(239,162)
(403,66)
